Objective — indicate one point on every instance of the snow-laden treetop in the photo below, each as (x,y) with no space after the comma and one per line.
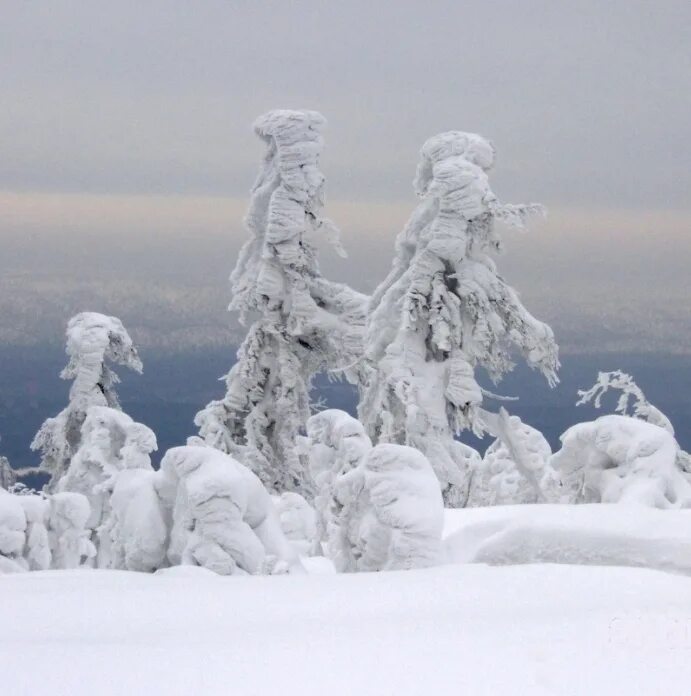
(285,208)
(93,338)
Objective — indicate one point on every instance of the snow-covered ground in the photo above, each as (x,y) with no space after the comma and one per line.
(458,629)
(462,628)
(597,534)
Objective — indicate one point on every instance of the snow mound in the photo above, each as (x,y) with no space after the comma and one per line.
(598,534)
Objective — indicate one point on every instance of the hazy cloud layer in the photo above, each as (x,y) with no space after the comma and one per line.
(128,153)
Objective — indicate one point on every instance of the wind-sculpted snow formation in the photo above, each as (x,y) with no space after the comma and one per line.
(389,512)
(305,323)
(93,340)
(222,516)
(621,459)
(444,311)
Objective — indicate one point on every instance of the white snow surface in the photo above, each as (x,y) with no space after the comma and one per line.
(463,629)
(595,534)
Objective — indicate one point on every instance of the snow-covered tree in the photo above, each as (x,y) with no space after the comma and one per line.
(111,444)
(640,408)
(444,311)
(68,534)
(304,323)
(12,533)
(621,459)
(513,467)
(7,475)
(93,340)
(391,512)
(222,516)
(336,443)
(298,521)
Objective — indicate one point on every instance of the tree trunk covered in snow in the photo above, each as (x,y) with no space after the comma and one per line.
(304,323)
(443,311)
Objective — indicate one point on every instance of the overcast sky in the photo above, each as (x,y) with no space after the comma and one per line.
(127,145)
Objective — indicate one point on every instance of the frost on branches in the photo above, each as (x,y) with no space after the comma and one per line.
(93,340)
(443,311)
(305,323)
(391,512)
(222,516)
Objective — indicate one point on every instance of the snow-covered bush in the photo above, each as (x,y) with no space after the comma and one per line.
(298,521)
(12,533)
(305,323)
(391,512)
(114,455)
(444,311)
(515,468)
(335,444)
(68,533)
(222,516)
(92,340)
(36,554)
(621,459)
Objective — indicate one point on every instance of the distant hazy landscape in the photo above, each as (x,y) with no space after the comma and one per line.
(174,387)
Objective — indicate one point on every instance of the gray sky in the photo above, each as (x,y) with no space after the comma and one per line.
(128,153)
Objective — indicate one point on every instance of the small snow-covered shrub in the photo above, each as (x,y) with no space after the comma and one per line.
(298,521)
(223,518)
(136,525)
(336,443)
(12,533)
(391,512)
(37,555)
(621,459)
(68,533)
(113,446)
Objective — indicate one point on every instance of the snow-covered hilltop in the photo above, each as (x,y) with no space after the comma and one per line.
(386,537)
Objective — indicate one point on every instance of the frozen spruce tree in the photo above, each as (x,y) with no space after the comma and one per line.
(93,341)
(302,323)
(444,311)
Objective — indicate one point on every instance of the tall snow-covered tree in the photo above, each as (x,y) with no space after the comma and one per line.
(93,340)
(444,311)
(304,323)
(7,475)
